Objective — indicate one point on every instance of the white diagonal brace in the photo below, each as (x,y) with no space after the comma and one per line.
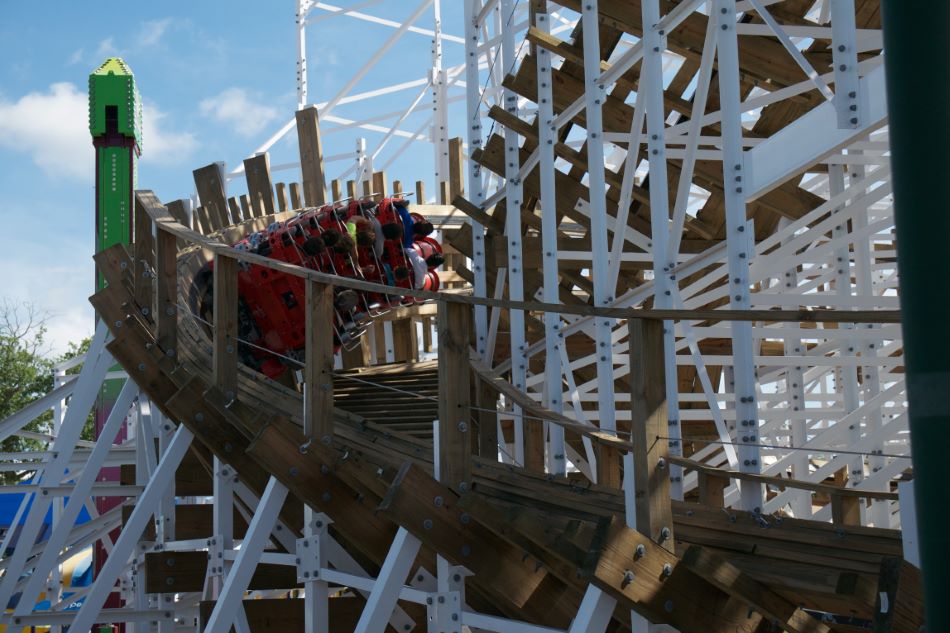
(392,577)
(258,533)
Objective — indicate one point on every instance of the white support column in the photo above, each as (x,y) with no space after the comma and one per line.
(382,600)
(311,557)
(301,18)
(664,278)
(593,616)
(847,379)
(440,105)
(476,194)
(547,133)
(125,546)
(740,248)
(844,55)
(222,516)
(514,198)
(258,533)
(594,96)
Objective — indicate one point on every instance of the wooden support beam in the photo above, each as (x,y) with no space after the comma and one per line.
(397,188)
(259,187)
(444,192)
(649,428)
(177,210)
(295,199)
(454,449)
(350,188)
(235,210)
(318,371)
(379,184)
(142,257)
(182,572)
(210,187)
(311,157)
(166,301)
(281,191)
(420,192)
(367,187)
(247,212)
(405,341)
(712,489)
(225,320)
(487,401)
(456,170)
(902,585)
(337,187)
(845,510)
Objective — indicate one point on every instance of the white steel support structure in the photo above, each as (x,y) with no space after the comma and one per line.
(547,137)
(594,96)
(514,198)
(739,243)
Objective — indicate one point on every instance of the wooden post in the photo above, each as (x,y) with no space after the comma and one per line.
(225,322)
(420,192)
(259,187)
(166,308)
(405,341)
(318,370)
(235,210)
(397,188)
(295,201)
(142,253)
(202,224)
(367,187)
(350,189)
(845,509)
(649,426)
(444,192)
(210,187)
(311,157)
(712,489)
(487,421)
(281,196)
(337,188)
(456,173)
(379,184)
(246,212)
(454,449)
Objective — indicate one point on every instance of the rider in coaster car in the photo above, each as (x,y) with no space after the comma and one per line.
(392,231)
(313,246)
(422,229)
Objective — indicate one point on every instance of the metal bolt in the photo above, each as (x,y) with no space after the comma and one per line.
(667,570)
(427,524)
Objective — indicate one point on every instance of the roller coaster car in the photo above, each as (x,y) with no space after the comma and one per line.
(383,243)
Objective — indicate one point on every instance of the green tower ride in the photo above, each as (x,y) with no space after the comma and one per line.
(115,123)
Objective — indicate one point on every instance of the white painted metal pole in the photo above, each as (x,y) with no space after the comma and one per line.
(301,18)
(476,194)
(382,600)
(594,95)
(740,248)
(547,137)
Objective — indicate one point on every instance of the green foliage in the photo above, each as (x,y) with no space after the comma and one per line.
(26,373)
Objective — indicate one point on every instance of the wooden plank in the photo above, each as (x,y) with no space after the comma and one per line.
(281,191)
(318,371)
(456,172)
(379,184)
(487,401)
(649,429)
(296,201)
(192,521)
(177,210)
(455,453)
(225,319)
(902,584)
(143,258)
(181,572)
(845,510)
(405,341)
(210,187)
(235,208)
(712,489)
(247,212)
(166,301)
(311,157)
(259,187)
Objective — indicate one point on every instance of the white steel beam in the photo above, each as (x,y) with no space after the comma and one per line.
(258,533)
(593,616)
(382,600)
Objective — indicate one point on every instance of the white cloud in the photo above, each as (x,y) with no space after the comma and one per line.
(52,127)
(161,146)
(106,48)
(235,108)
(77,56)
(152,31)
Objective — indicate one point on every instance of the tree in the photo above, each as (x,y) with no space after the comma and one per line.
(26,373)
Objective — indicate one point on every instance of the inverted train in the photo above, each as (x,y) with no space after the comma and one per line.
(382,242)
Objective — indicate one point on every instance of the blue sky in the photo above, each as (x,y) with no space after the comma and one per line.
(217,80)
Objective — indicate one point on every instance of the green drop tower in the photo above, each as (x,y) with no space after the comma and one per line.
(115,123)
